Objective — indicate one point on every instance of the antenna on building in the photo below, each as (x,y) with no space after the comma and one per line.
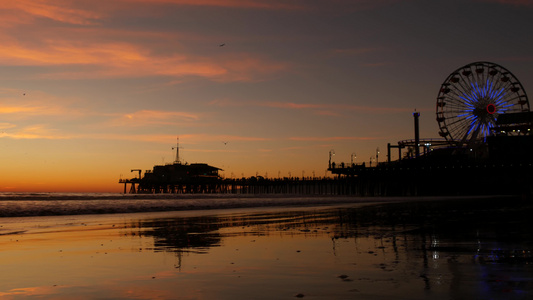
(177,161)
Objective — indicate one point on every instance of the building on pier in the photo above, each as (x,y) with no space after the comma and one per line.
(172,178)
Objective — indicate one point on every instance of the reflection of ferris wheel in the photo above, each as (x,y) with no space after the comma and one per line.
(471,99)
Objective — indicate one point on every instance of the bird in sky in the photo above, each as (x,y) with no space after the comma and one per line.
(222,45)
(225,143)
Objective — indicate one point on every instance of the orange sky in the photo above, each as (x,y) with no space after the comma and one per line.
(92,89)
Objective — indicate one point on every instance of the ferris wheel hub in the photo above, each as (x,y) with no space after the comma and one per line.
(491,108)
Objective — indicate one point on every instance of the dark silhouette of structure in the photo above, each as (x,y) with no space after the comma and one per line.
(486,148)
(174,178)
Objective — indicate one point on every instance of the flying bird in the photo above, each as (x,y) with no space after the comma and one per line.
(222,45)
(225,143)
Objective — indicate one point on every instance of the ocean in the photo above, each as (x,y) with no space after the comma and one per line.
(51,204)
(114,246)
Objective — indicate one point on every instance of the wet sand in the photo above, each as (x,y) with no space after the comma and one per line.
(457,248)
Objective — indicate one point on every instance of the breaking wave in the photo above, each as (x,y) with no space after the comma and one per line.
(52,204)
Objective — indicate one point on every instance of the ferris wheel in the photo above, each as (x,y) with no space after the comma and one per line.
(471,99)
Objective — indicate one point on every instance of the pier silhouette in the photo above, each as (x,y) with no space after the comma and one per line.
(485,125)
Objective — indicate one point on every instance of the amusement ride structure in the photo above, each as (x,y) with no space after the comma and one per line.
(476,103)
(473,97)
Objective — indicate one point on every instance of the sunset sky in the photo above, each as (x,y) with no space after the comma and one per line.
(90,89)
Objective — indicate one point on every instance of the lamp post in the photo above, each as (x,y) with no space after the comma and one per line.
(377,156)
(331,153)
(353,157)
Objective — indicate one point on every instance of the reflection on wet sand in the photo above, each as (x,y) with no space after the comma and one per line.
(437,244)
(477,249)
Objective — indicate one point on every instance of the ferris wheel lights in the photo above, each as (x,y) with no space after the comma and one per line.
(467,105)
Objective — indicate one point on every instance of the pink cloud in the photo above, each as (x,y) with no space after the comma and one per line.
(61,11)
(152,117)
(38,131)
(109,59)
(256,4)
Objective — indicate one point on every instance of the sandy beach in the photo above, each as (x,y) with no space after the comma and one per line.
(439,249)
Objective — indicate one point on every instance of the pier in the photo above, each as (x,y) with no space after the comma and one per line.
(385,180)
(485,148)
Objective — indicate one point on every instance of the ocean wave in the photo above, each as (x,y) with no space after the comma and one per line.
(52,204)
(56,204)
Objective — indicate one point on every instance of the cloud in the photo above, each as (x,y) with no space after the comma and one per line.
(18,110)
(153,117)
(36,104)
(329,139)
(93,59)
(79,13)
(78,48)
(38,131)
(220,138)
(319,108)
(255,4)
(33,110)
(61,11)
(29,291)
(7,126)
(294,5)
(169,138)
